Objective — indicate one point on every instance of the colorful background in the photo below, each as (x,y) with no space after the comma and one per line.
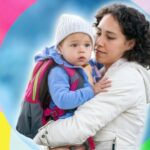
(27,26)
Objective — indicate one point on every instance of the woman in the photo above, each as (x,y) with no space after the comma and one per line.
(115,118)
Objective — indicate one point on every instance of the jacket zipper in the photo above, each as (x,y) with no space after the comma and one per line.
(114,144)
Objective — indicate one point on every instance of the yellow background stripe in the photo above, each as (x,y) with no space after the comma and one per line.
(5,130)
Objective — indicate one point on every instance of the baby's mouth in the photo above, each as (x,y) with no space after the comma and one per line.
(81,58)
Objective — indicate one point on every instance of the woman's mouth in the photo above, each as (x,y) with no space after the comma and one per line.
(100,52)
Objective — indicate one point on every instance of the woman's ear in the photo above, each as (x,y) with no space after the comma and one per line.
(131,44)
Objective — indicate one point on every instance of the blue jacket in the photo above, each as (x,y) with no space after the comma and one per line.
(58,83)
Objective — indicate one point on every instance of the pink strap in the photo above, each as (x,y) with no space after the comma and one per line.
(91,143)
(55,112)
(47,64)
(69,71)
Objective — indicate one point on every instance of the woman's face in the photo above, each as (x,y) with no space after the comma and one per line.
(110,42)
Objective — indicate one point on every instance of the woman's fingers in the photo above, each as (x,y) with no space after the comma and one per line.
(104,83)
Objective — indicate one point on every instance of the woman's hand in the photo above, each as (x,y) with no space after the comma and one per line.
(101,85)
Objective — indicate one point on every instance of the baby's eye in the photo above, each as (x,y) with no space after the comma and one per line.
(74,45)
(87,45)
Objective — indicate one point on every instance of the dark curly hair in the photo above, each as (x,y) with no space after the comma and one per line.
(134,26)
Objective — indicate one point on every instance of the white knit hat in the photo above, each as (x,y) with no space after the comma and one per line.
(69,24)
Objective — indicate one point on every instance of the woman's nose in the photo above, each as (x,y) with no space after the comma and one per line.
(99,41)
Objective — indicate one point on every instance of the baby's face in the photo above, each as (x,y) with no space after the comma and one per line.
(76,49)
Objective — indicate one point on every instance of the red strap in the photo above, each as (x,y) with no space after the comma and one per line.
(55,112)
(74,85)
(45,67)
(36,68)
(91,143)
(71,72)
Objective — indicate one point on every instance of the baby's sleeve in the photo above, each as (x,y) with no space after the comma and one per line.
(59,89)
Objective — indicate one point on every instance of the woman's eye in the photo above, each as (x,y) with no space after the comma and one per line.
(111,38)
(98,33)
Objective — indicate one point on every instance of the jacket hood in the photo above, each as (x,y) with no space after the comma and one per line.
(52,52)
(146,77)
(47,53)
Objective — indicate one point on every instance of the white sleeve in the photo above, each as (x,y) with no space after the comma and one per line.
(94,114)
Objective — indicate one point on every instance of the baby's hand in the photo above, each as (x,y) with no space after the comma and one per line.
(101,85)
(81,147)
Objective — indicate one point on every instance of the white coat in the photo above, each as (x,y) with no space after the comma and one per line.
(113,117)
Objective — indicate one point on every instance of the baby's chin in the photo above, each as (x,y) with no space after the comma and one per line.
(81,63)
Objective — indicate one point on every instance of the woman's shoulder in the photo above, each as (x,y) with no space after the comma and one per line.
(125,70)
